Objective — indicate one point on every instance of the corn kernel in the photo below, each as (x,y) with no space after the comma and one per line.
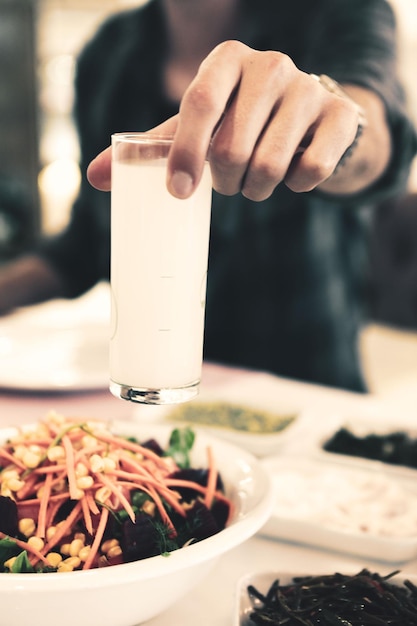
(10,562)
(36,542)
(54,559)
(35,449)
(56,453)
(85,482)
(14,484)
(108,545)
(9,474)
(63,567)
(50,532)
(109,464)
(114,551)
(27,526)
(20,451)
(96,463)
(5,491)
(55,418)
(78,494)
(65,549)
(149,508)
(103,494)
(75,547)
(31,459)
(72,561)
(84,552)
(81,470)
(88,441)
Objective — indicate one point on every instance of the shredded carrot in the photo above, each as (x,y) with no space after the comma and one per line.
(97,539)
(92,504)
(46,492)
(69,456)
(114,489)
(211,480)
(87,515)
(133,447)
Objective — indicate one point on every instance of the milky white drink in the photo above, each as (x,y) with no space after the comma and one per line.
(159,251)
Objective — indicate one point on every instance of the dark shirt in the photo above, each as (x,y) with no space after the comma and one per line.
(286,276)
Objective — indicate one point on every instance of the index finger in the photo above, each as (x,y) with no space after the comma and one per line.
(201,111)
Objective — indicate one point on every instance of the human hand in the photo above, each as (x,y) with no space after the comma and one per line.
(261,120)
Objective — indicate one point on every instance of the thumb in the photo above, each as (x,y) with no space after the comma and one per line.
(99,170)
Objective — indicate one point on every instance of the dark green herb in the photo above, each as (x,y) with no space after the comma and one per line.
(396,448)
(365,599)
(22,564)
(181,442)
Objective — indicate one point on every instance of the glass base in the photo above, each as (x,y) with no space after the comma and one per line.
(165,395)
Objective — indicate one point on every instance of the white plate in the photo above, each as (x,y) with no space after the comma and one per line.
(262,581)
(347,509)
(54,359)
(57,346)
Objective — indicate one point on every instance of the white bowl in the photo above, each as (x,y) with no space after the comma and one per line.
(260,444)
(129,594)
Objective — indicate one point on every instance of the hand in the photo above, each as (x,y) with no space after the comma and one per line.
(261,120)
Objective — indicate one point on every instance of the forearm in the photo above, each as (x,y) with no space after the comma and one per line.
(27,280)
(370,155)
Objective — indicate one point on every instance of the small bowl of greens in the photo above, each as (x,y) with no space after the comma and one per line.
(262,431)
(117,521)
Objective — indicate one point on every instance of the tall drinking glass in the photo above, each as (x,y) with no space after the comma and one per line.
(159,254)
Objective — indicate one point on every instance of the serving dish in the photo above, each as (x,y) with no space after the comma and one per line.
(250,425)
(262,581)
(380,444)
(335,506)
(129,594)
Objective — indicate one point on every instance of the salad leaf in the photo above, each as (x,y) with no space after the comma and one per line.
(22,564)
(181,442)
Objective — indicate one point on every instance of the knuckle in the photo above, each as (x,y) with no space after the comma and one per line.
(319,170)
(267,171)
(200,98)
(310,173)
(231,47)
(225,157)
(277,64)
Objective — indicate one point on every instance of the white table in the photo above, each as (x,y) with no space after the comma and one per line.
(212,601)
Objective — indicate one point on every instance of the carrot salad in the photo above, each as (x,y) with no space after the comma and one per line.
(75,496)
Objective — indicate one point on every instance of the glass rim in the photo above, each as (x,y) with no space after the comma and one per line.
(143,137)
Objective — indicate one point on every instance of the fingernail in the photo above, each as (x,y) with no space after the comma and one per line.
(181,184)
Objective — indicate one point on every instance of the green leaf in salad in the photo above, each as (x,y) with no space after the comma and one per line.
(180,444)
(22,564)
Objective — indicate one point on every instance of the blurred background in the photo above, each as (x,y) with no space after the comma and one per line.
(39,173)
